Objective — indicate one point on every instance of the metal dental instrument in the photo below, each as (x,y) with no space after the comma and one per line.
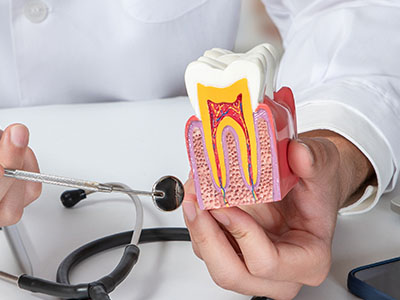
(167,193)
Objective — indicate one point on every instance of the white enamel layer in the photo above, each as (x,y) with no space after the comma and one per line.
(221,68)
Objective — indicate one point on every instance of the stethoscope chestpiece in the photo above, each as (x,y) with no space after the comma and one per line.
(168,193)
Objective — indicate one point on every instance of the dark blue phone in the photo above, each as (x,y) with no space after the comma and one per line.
(376,281)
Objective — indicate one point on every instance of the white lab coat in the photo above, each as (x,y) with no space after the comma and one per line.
(54,51)
(341,60)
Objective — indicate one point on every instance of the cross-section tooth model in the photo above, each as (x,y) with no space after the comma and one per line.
(237,142)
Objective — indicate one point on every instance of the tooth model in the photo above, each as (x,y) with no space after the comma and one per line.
(237,141)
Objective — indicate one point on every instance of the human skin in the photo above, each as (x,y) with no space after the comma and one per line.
(15,154)
(273,249)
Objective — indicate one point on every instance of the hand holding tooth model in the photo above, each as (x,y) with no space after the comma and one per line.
(240,152)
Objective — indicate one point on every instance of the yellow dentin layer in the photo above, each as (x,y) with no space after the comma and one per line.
(222,107)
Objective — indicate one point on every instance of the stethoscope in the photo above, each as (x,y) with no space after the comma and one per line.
(167,194)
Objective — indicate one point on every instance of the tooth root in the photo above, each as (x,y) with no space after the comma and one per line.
(208,194)
(228,107)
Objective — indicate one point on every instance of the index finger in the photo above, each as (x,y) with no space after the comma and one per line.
(297,256)
(225,266)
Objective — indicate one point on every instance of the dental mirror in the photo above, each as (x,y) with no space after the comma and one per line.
(172,193)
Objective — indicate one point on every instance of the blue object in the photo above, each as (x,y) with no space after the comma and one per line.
(364,290)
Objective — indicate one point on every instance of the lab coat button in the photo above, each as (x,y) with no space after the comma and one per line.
(36,11)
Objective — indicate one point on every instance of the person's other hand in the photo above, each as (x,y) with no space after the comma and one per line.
(273,249)
(15,154)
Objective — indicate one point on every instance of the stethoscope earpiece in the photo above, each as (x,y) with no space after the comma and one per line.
(71,197)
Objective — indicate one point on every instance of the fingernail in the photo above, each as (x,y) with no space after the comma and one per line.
(189,210)
(311,155)
(221,217)
(18,136)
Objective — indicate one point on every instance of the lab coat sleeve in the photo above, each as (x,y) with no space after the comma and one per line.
(342,62)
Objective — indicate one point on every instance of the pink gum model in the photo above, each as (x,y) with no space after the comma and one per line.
(275,123)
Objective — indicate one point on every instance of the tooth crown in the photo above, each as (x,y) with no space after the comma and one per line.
(221,68)
(232,144)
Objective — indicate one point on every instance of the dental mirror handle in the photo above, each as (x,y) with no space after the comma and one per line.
(58,180)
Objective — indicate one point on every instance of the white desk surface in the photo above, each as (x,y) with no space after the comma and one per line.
(136,143)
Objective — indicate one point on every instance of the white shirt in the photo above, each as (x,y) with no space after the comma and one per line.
(73,51)
(342,61)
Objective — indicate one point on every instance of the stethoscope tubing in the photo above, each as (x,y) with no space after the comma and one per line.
(148,235)
(63,289)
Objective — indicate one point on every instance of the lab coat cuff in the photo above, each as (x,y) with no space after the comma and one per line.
(325,112)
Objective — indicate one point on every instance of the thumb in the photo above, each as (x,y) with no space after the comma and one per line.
(13,144)
(309,157)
